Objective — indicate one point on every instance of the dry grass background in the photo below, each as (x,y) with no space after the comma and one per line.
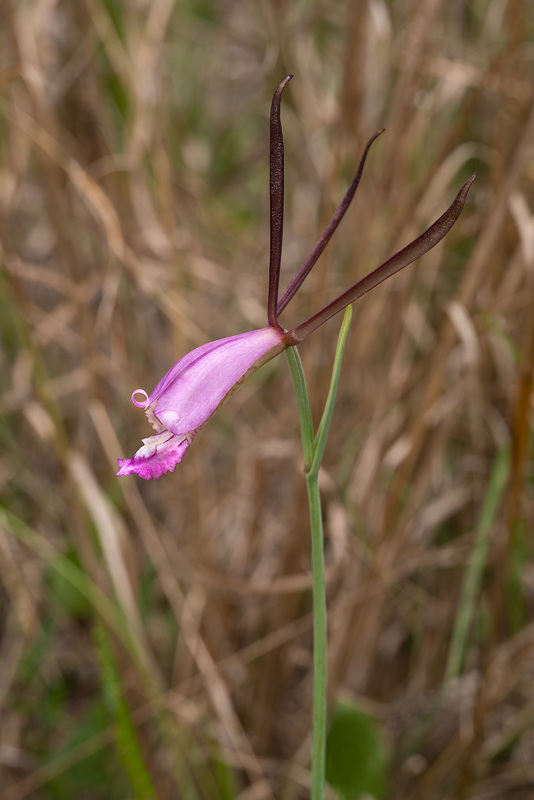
(155,637)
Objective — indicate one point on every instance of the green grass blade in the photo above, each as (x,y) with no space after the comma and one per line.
(475,567)
(129,749)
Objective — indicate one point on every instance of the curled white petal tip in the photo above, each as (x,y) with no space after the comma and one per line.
(136,402)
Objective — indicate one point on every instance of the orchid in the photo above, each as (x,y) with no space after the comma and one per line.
(191,392)
(198,383)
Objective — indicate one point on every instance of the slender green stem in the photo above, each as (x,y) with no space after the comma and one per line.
(320,639)
(320,642)
(313,450)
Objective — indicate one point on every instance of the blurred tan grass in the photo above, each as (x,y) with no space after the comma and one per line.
(134,226)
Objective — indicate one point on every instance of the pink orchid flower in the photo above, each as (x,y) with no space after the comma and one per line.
(191,392)
(198,383)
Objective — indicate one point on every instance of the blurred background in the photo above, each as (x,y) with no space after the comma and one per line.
(155,638)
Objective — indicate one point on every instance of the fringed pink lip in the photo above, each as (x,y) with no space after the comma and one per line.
(160,454)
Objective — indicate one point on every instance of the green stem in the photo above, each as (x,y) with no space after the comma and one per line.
(320,639)
(313,449)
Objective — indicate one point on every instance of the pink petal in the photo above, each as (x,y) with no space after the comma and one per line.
(197,384)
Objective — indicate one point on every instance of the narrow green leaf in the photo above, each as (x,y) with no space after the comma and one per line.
(303,405)
(324,426)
